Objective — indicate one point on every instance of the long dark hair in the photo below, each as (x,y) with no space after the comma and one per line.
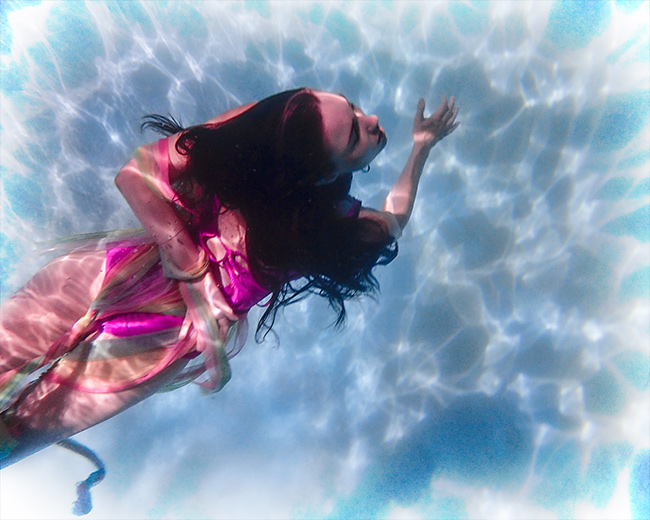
(267,163)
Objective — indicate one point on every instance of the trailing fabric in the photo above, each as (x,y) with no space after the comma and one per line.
(83,505)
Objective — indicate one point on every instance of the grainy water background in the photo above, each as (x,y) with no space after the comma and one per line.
(502,372)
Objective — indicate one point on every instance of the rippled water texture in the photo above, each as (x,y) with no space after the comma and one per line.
(503,371)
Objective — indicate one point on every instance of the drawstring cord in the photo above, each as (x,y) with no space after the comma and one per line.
(83,504)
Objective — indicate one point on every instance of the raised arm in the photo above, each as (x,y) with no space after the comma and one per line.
(427,131)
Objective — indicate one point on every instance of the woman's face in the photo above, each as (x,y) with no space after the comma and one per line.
(353,138)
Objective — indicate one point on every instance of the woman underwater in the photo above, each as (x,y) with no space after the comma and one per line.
(252,205)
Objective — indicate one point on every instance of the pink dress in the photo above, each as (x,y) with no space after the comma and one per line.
(140,324)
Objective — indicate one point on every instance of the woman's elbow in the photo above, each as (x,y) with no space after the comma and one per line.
(126,176)
(395,224)
(388,220)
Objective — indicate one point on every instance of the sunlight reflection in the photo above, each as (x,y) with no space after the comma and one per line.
(509,285)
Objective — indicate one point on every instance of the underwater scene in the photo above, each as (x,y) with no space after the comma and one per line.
(503,370)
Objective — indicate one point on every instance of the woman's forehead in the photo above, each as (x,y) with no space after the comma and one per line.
(337,120)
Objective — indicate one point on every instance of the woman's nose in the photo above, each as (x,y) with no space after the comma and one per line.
(373,123)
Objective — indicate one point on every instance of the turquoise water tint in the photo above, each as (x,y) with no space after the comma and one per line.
(503,372)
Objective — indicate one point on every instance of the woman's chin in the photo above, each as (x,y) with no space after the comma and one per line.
(382,141)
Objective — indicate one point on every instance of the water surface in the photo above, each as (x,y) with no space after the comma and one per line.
(502,372)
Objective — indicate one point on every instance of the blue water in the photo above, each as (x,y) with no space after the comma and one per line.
(503,371)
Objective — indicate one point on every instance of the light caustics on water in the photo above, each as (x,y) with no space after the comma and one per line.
(503,371)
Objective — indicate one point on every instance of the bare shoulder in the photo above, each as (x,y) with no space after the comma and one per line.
(385,218)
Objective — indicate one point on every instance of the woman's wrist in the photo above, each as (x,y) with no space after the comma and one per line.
(181,249)
(419,156)
(190,271)
(421,149)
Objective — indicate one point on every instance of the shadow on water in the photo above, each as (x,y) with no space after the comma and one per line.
(476,440)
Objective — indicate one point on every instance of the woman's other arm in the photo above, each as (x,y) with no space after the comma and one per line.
(145,185)
(145,182)
(426,133)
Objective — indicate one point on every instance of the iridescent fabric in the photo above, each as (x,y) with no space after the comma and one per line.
(140,324)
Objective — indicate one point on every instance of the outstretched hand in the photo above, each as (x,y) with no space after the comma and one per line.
(427,131)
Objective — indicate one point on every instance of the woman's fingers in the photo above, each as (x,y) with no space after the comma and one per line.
(451,108)
(441,123)
(452,116)
(224,325)
(442,109)
(419,112)
(446,112)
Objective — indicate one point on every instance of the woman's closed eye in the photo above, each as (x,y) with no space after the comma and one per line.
(355,134)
